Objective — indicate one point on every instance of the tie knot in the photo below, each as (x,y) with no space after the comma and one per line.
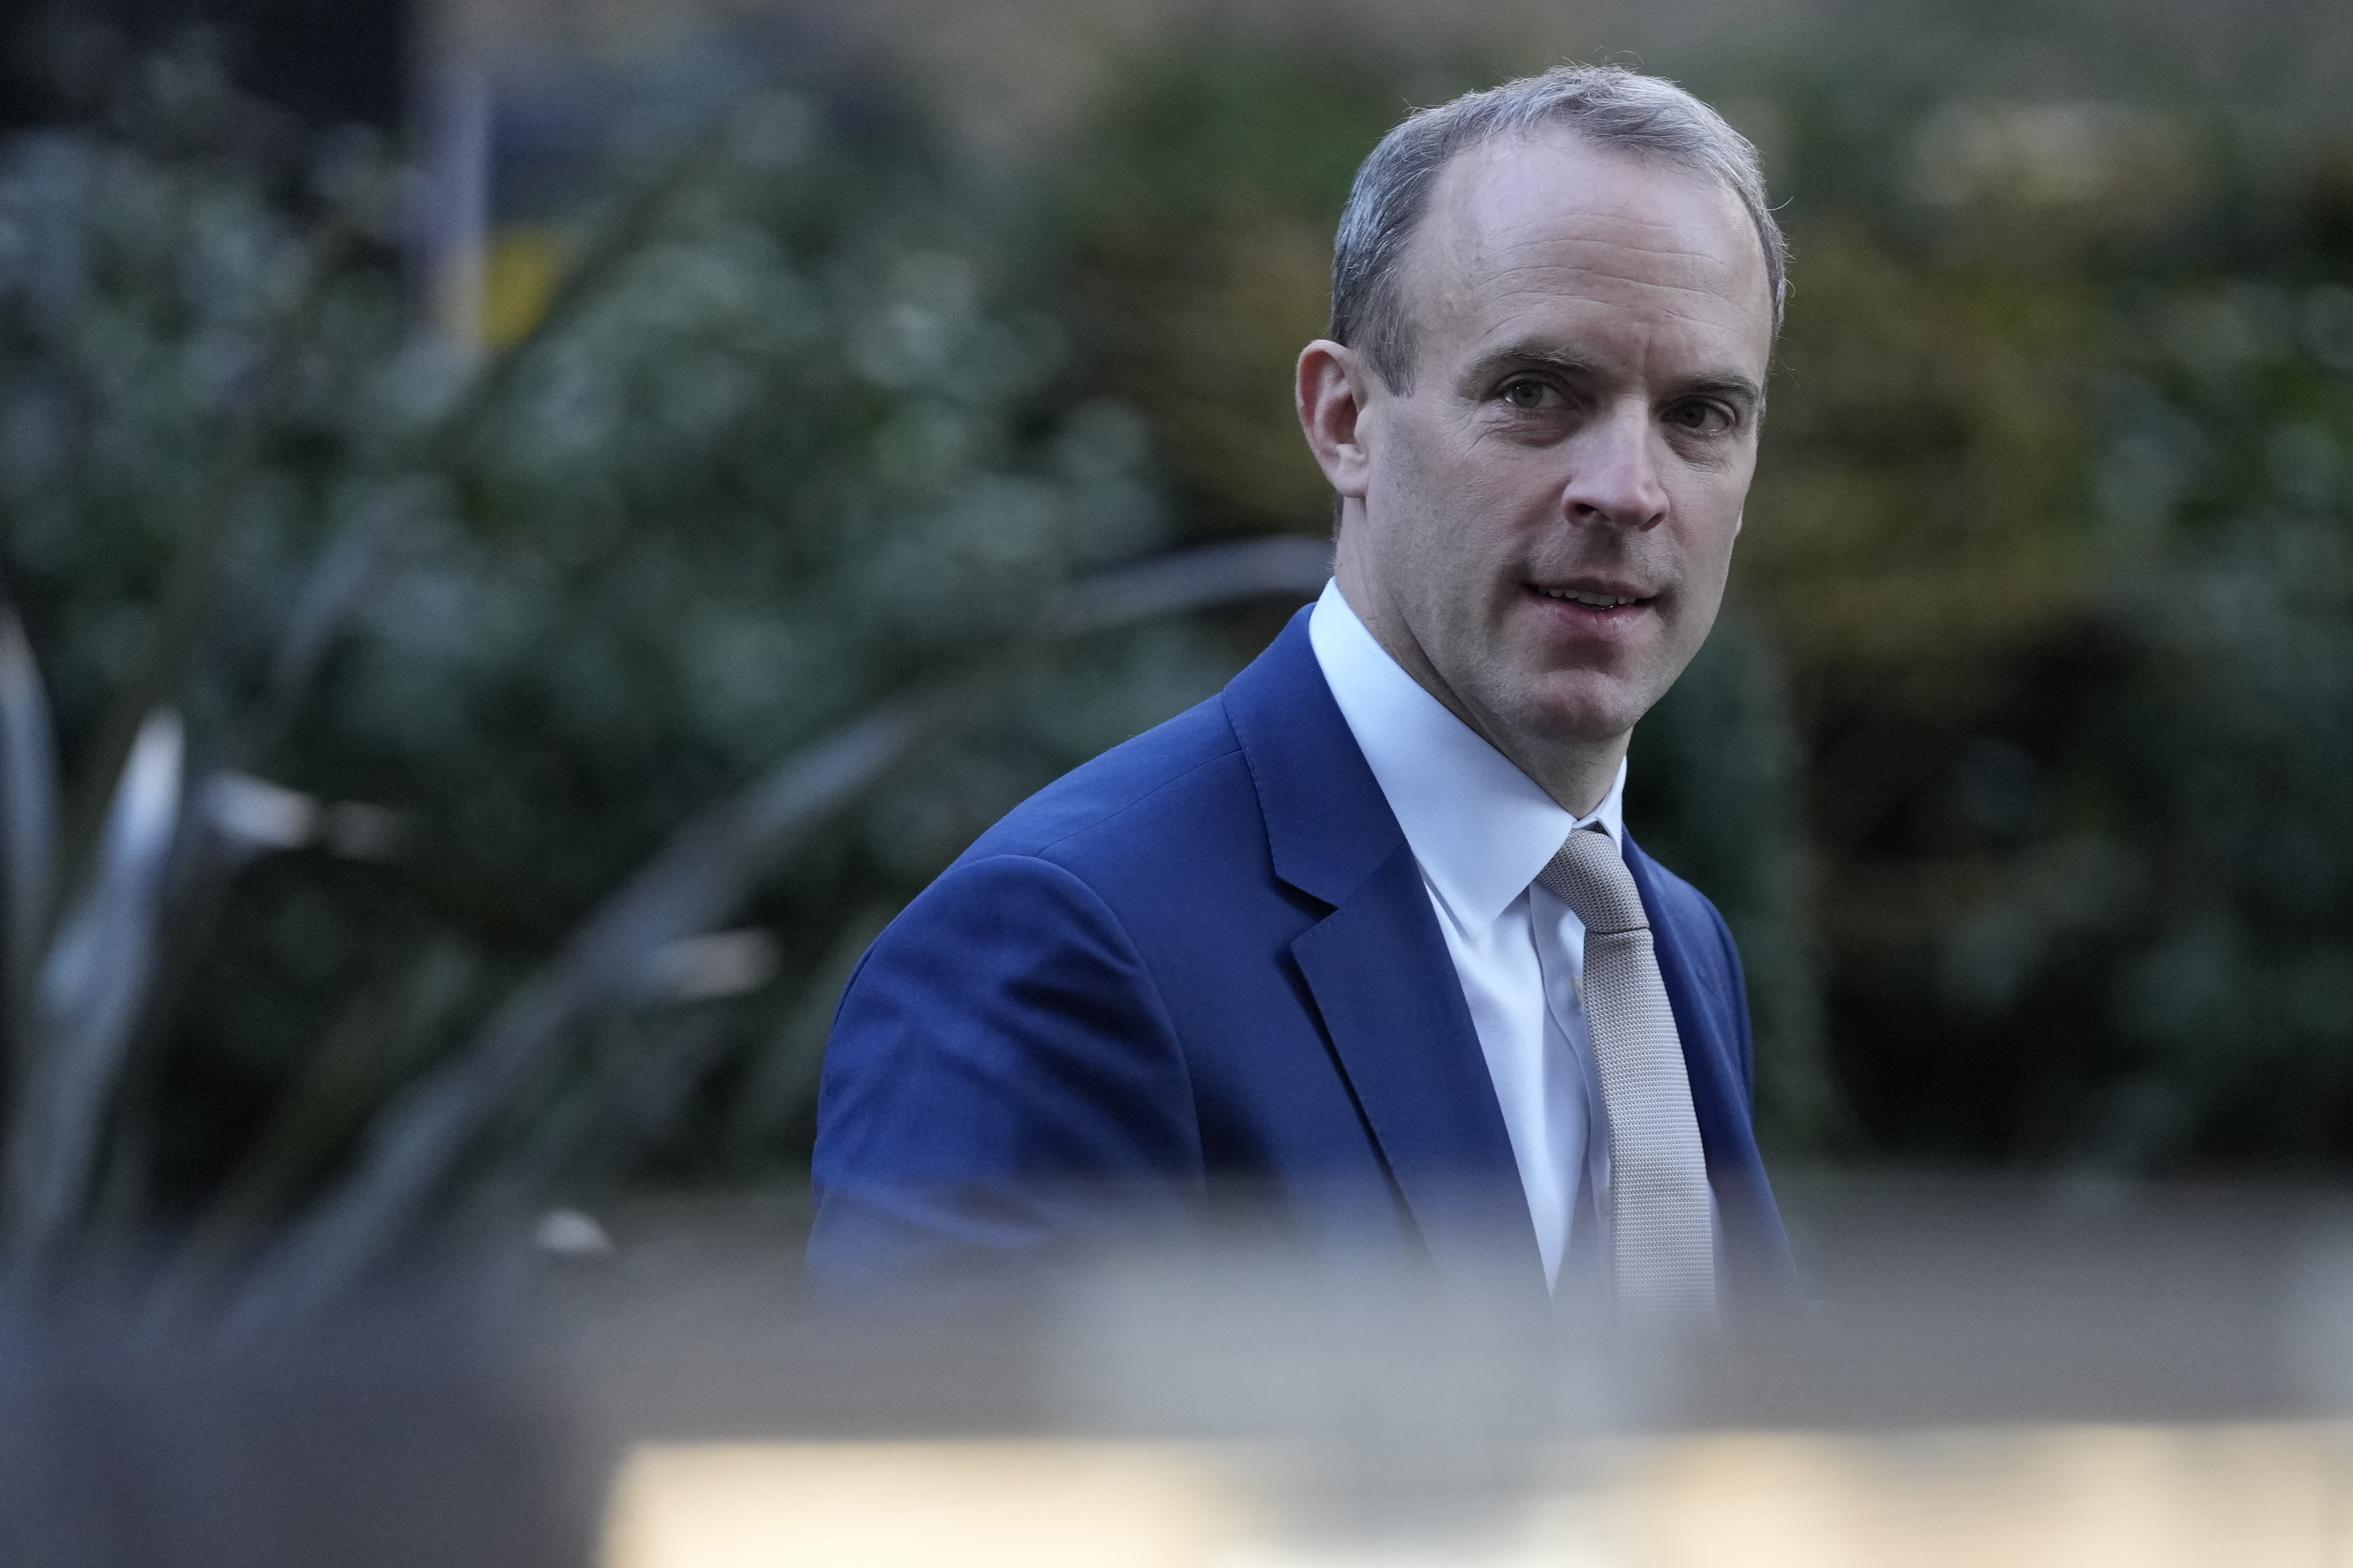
(1588,875)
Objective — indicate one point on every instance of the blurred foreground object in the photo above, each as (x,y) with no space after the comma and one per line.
(1990,1377)
(2252,1496)
(2004,1378)
(404,1432)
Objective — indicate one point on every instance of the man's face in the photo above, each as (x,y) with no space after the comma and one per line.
(1540,528)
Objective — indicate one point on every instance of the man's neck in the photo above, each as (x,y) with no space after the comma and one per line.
(1577,776)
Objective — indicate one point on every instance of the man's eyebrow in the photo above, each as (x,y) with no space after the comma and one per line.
(1529,357)
(1730,384)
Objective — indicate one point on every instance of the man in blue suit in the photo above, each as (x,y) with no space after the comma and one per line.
(1365,934)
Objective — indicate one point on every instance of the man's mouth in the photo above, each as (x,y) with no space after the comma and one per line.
(1592,598)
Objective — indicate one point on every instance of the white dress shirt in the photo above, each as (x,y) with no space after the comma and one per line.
(1481,831)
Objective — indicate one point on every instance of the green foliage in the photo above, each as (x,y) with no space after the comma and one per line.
(2051,534)
(506,680)
(1197,219)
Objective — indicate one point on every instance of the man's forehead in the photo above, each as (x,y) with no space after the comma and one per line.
(1555,184)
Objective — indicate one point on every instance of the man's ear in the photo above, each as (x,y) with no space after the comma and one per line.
(1333,383)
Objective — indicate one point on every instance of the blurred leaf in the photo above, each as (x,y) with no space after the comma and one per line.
(424,1134)
(92,984)
(28,821)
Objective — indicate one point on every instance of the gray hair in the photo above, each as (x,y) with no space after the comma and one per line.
(1622,111)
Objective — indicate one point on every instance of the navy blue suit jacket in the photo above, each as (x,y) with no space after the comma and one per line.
(1208,956)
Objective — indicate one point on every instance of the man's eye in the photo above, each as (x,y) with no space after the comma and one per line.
(1526,394)
(1705,417)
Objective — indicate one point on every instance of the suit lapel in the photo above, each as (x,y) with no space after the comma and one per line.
(1715,1063)
(1393,1008)
(1377,965)
(1711,1021)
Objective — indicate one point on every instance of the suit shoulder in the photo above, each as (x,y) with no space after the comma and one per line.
(1196,750)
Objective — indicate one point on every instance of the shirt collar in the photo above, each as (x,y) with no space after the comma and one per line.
(1480,828)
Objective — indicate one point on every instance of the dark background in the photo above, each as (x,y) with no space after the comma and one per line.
(330,64)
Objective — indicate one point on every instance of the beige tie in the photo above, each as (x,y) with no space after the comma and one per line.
(1662,1232)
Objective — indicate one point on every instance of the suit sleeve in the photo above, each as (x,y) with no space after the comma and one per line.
(1002,1084)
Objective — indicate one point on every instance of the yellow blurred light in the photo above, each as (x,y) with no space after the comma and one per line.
(915,1505)
(2250,1495)
(2254,1496)
(520,271)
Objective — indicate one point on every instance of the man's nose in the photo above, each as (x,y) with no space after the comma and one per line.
(1614,470)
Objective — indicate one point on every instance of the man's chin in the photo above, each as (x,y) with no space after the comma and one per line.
(1589,717)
